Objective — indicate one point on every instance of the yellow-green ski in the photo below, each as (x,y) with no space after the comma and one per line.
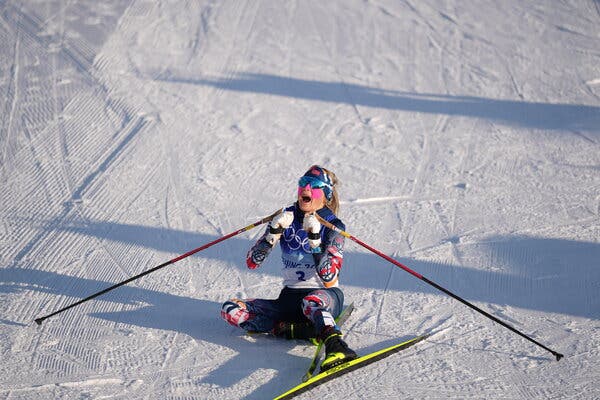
(346,312)
(348,367)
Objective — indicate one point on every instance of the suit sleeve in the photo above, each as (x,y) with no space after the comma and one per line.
(257,254)
(330,264)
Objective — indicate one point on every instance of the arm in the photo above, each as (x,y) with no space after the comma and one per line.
(263,247)
(330,264)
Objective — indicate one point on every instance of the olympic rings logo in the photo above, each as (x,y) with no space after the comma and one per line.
(295,241)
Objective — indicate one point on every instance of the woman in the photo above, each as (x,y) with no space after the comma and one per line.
(312,258)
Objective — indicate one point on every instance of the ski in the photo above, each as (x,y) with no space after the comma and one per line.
(342,369)
(344,315)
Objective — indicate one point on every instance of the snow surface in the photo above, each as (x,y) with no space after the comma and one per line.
(466,136)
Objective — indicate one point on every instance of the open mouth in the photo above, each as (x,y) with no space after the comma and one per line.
(306,199)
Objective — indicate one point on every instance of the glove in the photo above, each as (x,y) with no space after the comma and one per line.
(278,224)
(257,254)
(313,227)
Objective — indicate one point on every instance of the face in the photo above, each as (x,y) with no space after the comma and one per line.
(310,199)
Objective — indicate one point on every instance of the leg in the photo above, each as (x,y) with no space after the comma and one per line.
(322,306)
(258,315)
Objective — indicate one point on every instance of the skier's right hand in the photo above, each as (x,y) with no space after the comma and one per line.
(278,224)
(257,254)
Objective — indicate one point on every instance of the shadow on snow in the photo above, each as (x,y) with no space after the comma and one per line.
(537,115)
(548,275)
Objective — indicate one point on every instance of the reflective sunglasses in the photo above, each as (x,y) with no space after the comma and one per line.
(316,184)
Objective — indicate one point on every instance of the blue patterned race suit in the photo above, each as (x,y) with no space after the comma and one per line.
(310,278)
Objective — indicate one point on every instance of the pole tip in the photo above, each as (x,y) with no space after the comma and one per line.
(558,356)
(39,321)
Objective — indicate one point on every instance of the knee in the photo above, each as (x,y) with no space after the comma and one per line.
(235,312)
(316,301)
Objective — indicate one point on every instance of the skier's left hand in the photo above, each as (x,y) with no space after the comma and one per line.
(313,227)
(277,225)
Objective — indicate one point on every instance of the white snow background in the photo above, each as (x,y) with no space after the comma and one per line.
(466,135)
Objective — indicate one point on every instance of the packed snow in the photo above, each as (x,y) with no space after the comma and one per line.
(466,136)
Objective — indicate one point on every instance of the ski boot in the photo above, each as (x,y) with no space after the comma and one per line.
(296,330)
(336,350)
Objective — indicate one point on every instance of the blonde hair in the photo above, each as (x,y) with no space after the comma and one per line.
(334,203)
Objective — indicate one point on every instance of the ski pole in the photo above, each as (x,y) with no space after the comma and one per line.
(173,261)
(435,285)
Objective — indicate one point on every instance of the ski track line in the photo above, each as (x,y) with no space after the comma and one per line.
(202,31)
(167,354)
(330,54)
(132,130)
(14,85)
(440,126)
(251,30)
(509,71)
(457,51)
(92,382)
(64,151)
(122,250)
(164,214)
(444,50)
(450,229)
(117,209)
(596,4)
(403,226)
(380,316)
(423,19)
(128,133)
(228,67)
(75,50)
(82,56)
(451,238)
(108,275)
(289,37)
(38,171)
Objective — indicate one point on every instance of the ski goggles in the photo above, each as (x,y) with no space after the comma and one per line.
(315,183)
